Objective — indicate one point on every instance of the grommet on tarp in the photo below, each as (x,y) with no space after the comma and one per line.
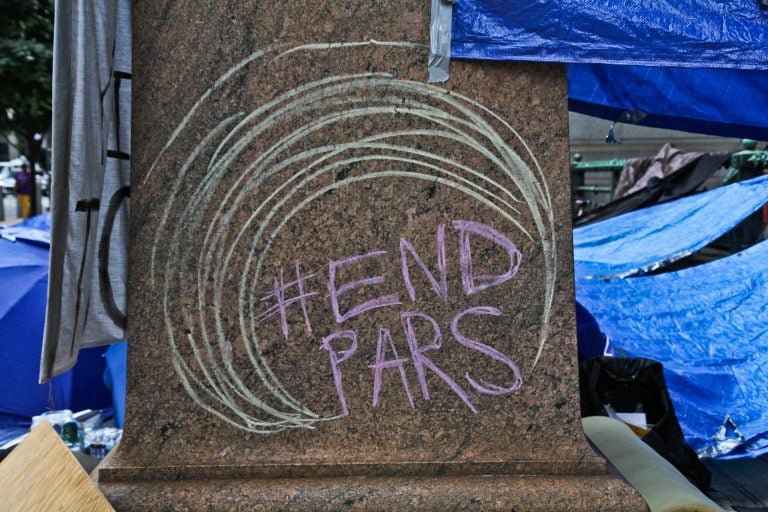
(440,40)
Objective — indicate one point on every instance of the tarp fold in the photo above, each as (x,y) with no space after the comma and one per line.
(646,239)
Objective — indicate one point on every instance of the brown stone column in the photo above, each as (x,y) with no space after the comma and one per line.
(349,289)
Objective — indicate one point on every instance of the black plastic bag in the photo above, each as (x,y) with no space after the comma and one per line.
(629,385)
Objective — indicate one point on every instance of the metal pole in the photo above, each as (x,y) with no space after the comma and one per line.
(38,198)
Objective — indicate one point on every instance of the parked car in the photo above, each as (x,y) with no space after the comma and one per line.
(8,172)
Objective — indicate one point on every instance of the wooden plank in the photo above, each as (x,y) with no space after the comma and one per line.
(42,474)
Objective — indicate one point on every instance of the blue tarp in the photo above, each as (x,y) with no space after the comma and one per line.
(24,284)
(629,57)
(724,102)
(114,378)
(645,239)
(708,325)
(681,33)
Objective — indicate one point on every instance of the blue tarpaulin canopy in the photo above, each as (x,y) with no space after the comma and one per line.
(709,326)
(682,33)
(690,65)
(646,239)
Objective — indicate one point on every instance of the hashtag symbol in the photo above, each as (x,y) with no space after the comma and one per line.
(278,294)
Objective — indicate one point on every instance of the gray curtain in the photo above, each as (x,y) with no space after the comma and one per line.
(91,177)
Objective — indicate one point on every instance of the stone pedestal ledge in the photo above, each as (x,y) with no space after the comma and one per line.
(534,493)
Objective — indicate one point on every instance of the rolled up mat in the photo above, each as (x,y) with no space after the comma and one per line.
(658,482)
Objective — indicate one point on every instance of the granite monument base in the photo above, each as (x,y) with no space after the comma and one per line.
(349,289)
(533,493)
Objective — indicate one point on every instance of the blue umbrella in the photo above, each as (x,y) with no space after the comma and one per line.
(24,251)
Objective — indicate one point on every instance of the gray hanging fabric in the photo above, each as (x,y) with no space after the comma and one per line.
(440,40)
(91,179)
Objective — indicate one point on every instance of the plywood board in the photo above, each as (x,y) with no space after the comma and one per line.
(42,474)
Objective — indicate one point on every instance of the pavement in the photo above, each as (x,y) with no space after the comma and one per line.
(10,206)
(740,485)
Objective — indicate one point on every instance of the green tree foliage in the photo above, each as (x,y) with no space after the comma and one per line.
(26,62)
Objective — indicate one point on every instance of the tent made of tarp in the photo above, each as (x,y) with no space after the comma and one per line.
(708,325)
(646,239)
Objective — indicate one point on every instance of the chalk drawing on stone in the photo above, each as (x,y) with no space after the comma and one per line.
(225,247)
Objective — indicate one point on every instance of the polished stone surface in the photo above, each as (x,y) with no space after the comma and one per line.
(348,287)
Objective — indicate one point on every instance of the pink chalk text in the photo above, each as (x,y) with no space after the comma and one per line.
(343,344)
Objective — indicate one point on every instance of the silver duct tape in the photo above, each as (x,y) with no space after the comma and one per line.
(440,40)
